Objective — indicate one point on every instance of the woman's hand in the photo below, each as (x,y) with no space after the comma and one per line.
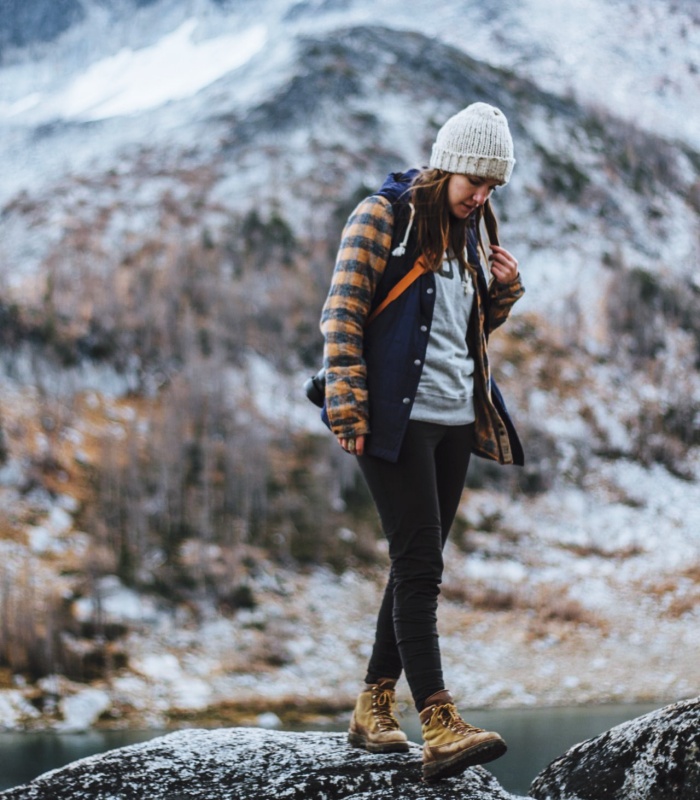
(504,265)
(355,446)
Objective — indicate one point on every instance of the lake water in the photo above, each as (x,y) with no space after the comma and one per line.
(534,736)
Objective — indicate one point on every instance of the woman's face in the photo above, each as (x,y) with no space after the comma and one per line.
(466,193)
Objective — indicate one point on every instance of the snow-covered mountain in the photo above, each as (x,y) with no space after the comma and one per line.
(267,78)
(175,176)
(638,59)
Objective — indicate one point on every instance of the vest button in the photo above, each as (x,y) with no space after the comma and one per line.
(429,291)
(417,362)
(406,400)
(424,328)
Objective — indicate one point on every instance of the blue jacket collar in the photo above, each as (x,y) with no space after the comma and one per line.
(396,184)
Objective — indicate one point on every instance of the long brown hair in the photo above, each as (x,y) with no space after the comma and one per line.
(438,231)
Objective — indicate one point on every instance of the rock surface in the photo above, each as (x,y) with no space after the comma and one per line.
(654,757)
(252,764)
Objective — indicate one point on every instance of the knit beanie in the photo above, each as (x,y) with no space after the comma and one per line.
(476,141)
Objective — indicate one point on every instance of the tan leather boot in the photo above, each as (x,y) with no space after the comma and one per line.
(451,744)
(373,725)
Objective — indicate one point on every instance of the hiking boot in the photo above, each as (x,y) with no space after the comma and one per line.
(451,744)
(373,725)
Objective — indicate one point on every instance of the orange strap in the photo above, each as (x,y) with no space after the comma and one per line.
(398,289)
(419,267)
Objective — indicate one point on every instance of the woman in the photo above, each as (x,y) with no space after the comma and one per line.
(410,396)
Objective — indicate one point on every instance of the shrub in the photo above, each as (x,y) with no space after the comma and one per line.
(34,618)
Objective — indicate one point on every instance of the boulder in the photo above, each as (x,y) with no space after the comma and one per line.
(252,764)
(654,757)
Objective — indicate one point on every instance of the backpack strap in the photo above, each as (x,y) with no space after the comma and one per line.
(419,268)
(491,223)
(399,288)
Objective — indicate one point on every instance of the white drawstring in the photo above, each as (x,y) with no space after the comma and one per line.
(401,249)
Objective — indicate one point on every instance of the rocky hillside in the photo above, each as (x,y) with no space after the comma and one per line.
(176,182)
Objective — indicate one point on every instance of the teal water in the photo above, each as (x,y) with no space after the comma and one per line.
(534,736)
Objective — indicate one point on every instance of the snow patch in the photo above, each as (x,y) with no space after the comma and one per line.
(116,602)
(183,690)
(14,708)
(163,667)
(269,720)
(174,68)
(46,538)
(80,711)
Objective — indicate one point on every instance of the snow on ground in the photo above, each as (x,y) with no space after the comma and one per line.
(81,710)
(117,601)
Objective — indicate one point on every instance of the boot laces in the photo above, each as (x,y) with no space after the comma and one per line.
(449,717)
(382,701)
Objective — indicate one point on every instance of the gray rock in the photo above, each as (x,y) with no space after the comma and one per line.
(654,757)
(252,764)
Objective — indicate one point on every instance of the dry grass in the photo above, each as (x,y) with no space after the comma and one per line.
(589,550)
(679,594)
(560,608)
(680,606)
(545,606)
(481,598)
(6,681)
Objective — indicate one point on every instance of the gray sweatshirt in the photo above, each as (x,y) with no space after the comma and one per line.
(446,388)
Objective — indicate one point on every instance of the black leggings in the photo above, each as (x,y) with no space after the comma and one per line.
(417,499)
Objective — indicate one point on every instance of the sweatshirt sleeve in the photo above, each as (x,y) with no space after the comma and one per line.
(360,263)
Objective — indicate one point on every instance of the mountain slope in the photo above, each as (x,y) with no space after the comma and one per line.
(22,23)
(637,58)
